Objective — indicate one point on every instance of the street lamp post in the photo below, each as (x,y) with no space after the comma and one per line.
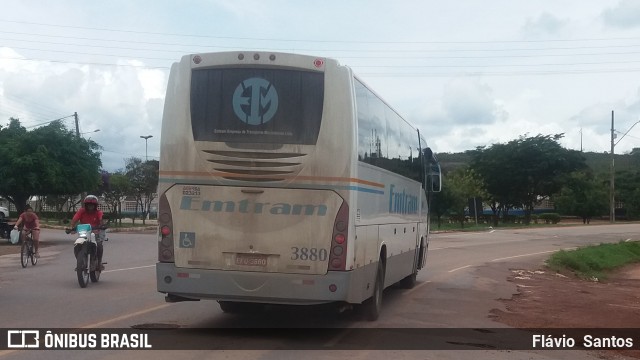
(612,193)
(146,139)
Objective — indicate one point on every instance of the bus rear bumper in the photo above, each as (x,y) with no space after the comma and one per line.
(274,288)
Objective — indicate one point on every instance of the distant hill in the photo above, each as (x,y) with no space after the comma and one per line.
(599,162)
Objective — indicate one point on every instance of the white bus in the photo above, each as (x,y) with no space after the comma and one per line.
(285,180)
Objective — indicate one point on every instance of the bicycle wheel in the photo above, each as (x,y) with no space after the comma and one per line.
(82,268)
(24,254)
(32,253)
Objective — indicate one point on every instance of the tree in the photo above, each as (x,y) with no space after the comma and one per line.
(49,160)
(118,186)
(442,203)
(525,171)
(583,195)
(144,182)
(628,191)
(463,184)
(493,165)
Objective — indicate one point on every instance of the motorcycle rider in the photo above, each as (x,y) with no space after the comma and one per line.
(89,214)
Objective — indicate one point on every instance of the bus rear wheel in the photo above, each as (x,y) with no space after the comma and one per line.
(373,306)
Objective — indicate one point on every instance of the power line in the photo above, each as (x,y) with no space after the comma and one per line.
(497,65)
(48,122)
(382,74)
(371,66)
(16,111)
(87,63)
(320,41)
(514,73)
(403,66)
(52,112)
(403,57)
(383,50)
(93,54)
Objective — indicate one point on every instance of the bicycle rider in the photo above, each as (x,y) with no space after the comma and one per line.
(89,214)
(31,223)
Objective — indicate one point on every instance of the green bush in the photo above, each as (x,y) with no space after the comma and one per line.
(552,218)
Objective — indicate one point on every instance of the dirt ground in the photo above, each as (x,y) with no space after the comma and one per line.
(546,299)
(7,248)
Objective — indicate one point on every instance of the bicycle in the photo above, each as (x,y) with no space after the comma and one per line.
(27,250)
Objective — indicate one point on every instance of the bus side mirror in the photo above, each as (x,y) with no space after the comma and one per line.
(436,183)
(435,177)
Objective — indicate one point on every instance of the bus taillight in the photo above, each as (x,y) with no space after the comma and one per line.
(165,223)
(338,255)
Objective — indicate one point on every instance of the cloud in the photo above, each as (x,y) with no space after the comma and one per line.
(122,101)
(544,24)
(464,116)
(625,15)
(468,101)
(596,122)
(248,11)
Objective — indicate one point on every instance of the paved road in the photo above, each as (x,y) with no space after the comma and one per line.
(466,273)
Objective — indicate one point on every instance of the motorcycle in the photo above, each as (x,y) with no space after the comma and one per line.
(85,248)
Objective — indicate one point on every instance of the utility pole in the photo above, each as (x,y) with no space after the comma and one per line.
(612,188)
(580,139)
(612,199)
(75,115)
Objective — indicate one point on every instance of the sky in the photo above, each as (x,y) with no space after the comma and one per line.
(467,73)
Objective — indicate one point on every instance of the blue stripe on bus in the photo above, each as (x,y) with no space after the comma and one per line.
(300,186)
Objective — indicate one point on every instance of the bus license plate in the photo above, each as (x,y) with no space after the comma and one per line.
(251,260)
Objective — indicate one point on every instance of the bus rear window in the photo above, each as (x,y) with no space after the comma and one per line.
(250,105)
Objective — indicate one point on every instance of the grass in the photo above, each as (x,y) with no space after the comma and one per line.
(595,261)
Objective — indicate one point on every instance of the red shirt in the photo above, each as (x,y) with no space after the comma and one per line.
(30,220)
(93,218)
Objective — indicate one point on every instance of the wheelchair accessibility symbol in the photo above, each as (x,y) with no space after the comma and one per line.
(187,239)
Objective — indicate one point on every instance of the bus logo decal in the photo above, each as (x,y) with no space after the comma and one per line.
(249,207)
(401,202)
(255,101)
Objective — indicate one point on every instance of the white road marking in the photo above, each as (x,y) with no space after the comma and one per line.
(131,268)
(460,268)
(442,248)
(417,287)
(523,255)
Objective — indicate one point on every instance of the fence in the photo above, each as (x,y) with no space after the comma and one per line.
(129,207)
